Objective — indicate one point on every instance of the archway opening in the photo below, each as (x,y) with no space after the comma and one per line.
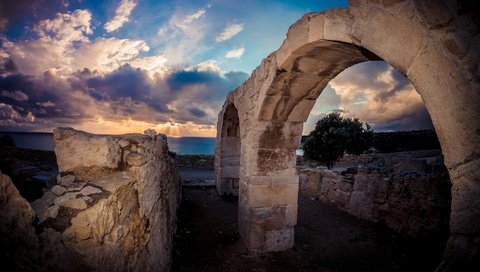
(298,82)
(229,171)
(401,183)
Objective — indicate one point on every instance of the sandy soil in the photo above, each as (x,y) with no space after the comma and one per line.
(326,239)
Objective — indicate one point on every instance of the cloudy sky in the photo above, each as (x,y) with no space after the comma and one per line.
(119,66)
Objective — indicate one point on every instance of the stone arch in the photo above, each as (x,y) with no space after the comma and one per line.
(434,43)
(228,170)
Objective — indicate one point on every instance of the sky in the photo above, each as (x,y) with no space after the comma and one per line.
(121,66)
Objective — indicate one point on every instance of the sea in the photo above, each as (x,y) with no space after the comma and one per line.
(181,146)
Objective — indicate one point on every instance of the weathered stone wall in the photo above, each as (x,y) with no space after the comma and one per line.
(434,43)
(405,191)
(194,161)
(114,207)
(19,246)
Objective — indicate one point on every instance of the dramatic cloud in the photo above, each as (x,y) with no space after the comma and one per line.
(189,97)
(236,53)
(8,115)
(81,64)
(121,15)
(53,49)
(375,93)
(15,95)
(229,32)
(66,28)
(63,78)
(63,46)
(106,55)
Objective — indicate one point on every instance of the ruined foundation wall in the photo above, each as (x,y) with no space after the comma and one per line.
(407,192)
(114,207)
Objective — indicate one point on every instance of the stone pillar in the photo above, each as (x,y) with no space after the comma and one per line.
(229,171)
(267,212)
(268,195)
(463,248)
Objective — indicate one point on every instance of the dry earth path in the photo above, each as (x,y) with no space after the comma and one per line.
(326,239)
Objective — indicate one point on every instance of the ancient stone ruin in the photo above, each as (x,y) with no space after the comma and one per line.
(113,209)
(406,191)
(434,43)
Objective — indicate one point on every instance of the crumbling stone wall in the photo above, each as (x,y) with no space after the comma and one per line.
(407,193)
(114,207)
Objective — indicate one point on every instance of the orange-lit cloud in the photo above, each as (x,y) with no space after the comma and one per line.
(171,129)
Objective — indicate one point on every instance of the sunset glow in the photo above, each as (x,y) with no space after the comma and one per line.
(124,66)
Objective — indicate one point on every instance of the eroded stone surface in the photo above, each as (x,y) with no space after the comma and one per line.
(108,214)
(58,190)
(18,239)
(434,43)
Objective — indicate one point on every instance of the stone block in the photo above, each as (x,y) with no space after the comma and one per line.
(229,172)
(274,217)
(67,180)
(361,205)
(135,159)
(325,188)
(418,166)
(76,149)
(301,111)
(58,190)
(271,162)
(90,190)
(345,186)
(360,182)
(315,27)
(385,33)
(336,26)
(268,135)
(281,239)
(230,161)
(297,34)
(342,198)
(272,195)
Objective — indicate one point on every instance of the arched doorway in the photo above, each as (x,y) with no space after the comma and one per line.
(275,101)
(228,170)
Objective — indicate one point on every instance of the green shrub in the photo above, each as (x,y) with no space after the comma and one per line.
(333,136)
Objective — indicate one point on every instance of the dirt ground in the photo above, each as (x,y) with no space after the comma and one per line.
(326,239)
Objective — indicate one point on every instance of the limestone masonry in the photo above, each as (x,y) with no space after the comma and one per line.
(113,208)
(434,43)
(408,191)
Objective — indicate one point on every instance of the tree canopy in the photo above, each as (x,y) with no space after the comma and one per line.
(334,135)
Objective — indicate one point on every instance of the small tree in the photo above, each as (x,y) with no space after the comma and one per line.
(333,136)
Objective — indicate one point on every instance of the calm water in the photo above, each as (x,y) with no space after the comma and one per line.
(182,146)
(186,145)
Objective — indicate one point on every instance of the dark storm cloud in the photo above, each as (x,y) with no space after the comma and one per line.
(125,93)
(197,112)
(10,66)
(418,119)
(14,11)
(124,82)
(378,94)
(180,79)
(42,95)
